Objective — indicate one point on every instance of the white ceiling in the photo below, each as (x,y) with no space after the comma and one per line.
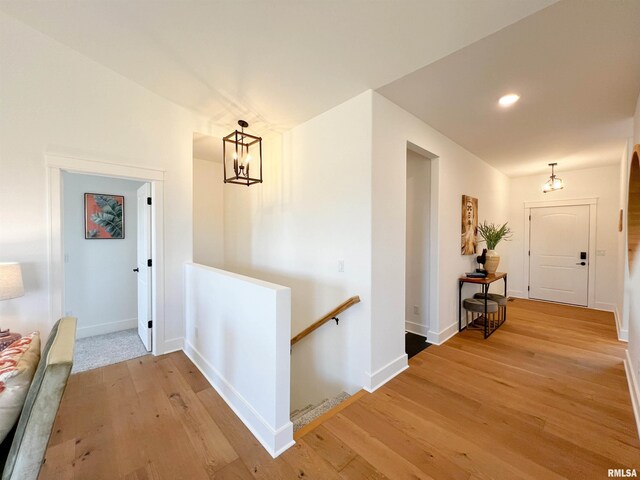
(273,63)
(576,66)
(280,62)
(206,147)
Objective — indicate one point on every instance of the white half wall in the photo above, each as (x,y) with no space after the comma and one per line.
(208,213)
(100,284)
(601,183)
(55,100)
(238,332)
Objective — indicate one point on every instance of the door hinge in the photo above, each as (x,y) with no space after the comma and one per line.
(529,288)
(529,217)
(150,324)
(149,263)
(148,200)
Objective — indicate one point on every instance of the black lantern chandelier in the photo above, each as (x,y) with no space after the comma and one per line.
(242,153)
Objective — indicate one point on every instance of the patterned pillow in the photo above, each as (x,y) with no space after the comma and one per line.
(18,364)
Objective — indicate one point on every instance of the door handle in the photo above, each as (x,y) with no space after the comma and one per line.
(581,263)
(136,269)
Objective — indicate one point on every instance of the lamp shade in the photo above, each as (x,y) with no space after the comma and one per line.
(10,281)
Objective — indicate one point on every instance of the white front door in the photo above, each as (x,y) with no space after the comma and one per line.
(558,259)
(143,267)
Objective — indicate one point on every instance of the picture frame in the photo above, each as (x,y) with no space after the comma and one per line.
(469,223)
(103,216)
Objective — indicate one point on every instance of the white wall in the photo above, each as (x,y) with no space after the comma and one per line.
(417,251)
(208,213)
(312,211)
(327,197)
(56,100)
(601,183)
(238,332)
(100,284)
(455,172)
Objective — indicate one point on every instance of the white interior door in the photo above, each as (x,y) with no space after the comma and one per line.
(559,249)
(143,268)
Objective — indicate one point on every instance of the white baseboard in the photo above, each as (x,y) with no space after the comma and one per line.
(516,294)
(416,328)
(275,441)
(634,389)
(375,380)
(606,307)
(623,334)
(438,338)
(173,345)
(109,327)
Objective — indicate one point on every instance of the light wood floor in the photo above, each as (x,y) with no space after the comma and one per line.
(545,397)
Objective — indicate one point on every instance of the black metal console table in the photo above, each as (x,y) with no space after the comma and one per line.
(484,283)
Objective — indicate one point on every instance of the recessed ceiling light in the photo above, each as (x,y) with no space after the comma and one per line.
(509,99)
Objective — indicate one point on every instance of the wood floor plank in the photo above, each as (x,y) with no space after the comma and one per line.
(503,390)
(425,425)
(190,373)
(430,460)
(306,463)
(545,397)
(210,444)
(148,472)
(59,461)
(330,447)
(257,460)
(360,469)
(374,450)
(236,470)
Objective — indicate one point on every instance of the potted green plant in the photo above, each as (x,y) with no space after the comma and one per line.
(492,234)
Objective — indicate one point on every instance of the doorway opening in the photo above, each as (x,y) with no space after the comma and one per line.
(417,253)
(107,280)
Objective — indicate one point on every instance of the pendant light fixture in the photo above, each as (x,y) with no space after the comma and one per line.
(242,157)
(554,183)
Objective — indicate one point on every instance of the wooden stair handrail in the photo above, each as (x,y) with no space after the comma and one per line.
(329,316)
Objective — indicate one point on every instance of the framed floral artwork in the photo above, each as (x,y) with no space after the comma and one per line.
(103,216)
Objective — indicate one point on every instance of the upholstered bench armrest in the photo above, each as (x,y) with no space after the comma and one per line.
(42,402)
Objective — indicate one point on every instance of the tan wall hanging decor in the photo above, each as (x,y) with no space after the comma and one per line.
(469,237)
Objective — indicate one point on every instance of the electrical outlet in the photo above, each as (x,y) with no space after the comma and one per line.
(66,258)
(196,332)
(416,310)
(340,266)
